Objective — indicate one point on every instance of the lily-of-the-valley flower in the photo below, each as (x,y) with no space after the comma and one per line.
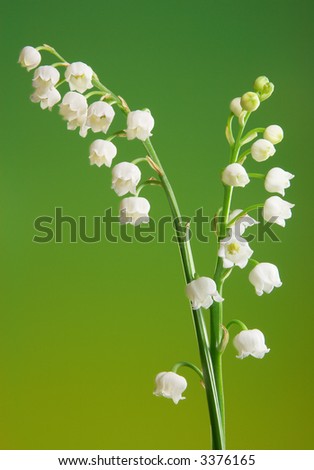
(125,178)
(250,101)
(264,277)
(100,116)
(274,134)
(139,125)
(277,180)
(262,149)
(46,97)
(170,385)
(45,77)
(250,343)
(276,210)
(235,175)
(239,227)
(74,110)
(235,106)
(202,292)
(29,58)
(79,76)
(102,152)
(234,251)
(134,210)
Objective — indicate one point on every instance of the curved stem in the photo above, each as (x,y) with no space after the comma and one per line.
(237,322)
(244,212)
(187,364)
(259,176)
(152,182)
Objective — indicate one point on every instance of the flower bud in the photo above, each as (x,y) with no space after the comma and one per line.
(102,152)
(74,110)
(262,149)
(250,343)
(264,277)
(29,58)
(202,292)
(46,97)
(125,178)
(100,116)
(134,210)
(250,101)
(274,134)
(79,76)
(235,106)
(276,210)
(277,180)
(139,125)
(234,252)
(260,83)
(170,385)
(235,175)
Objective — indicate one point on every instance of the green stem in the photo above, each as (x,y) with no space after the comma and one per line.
(187,364)
(259,176)
(244,212)
(257,130)
(147,183)
(237,322)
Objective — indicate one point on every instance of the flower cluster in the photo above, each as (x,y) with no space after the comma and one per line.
(96,116)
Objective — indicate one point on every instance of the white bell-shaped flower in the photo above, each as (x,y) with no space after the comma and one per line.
(102,152)
(250,101)
(170,385)
(100,116)
(262,149)
(276,210)
(79,76)
(134,210)
(125,178)
(239,227)
(234,251)
(235,175)
(45,77)
(277,180)
(46,97)
(235,106)
(139,125)
(274,134)
(264,277)
(202,292)
(29,58)
(74,110)
(250,343)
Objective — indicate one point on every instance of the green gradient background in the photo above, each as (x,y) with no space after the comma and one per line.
(84,328)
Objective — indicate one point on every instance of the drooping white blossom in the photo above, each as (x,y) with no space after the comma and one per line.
(264,277)
(45,77)
(73,109)
(79,76)
(139,125)
(102,152)
(202,292)
(234,251)
(170,385)
(125,178)
(100,116)
(235,106)
(274,134)
(250,101)
(276,210)
(262,149)
(239,227)
(134,210)
(250,343)
(46,97)
(29,58)
(277,180)
(235,175)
